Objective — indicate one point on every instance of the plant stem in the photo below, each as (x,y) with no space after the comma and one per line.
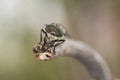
(91,59)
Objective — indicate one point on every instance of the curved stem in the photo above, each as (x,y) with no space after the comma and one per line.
(94,63)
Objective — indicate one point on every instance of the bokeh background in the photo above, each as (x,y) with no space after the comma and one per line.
(96,22)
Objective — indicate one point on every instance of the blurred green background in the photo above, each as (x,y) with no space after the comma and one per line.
(96,22)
